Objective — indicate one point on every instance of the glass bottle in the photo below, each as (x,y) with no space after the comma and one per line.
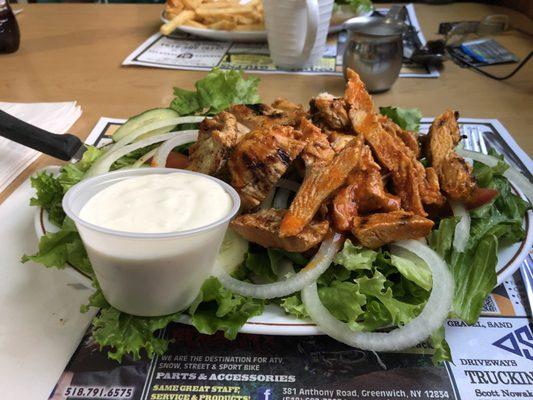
(9,29)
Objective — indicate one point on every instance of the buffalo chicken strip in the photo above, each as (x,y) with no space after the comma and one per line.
(317,152)
(408,138)
(216,138)
(260,158)
(376,230)
(330,112)
(390,152)
(365,192)
(454,174)
(256,116)
(319,186)
(263,228)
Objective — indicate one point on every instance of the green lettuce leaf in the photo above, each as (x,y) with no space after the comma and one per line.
(72,173)
(218,309)
(406,118)
(343,300)
(59,248)
(413,269)
(355,257)
(356,6)
(474,271)
(48,195)
(124,334)
(215,92)
(475,277)
(441,239)
(442,349)
(293,305)
(127,334)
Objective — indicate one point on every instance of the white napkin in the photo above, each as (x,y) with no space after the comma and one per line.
(53,117)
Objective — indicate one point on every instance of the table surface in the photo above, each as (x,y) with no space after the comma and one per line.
(74,52)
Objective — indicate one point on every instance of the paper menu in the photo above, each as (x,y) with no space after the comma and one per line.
(52,117)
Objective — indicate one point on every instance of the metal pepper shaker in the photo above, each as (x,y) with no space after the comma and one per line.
(374,49)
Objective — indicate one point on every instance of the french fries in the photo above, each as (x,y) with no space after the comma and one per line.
(227,15)
(185,15)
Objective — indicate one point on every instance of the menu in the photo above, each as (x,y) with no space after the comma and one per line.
(184,51)
(493,359)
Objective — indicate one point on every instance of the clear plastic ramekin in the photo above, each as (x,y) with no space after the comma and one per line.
(148,274)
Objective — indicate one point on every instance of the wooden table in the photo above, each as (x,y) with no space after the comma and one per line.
(74,52)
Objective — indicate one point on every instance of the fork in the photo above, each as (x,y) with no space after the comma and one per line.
(475,141)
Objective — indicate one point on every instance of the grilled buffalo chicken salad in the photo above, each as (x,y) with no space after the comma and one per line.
(349,217)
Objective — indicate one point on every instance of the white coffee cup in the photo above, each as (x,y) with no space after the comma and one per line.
(297,31)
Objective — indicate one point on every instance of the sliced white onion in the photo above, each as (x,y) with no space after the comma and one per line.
(429,320)
(511,173)
(153,126)
(288,184)
(103,164)
(140,162)
(161,155)
(281,199)
(310,273)
(462,229)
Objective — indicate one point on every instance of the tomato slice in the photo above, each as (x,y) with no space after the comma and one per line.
(177,160)
(481,196)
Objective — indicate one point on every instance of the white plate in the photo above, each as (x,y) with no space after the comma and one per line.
(226,36)
(238,36)
(274,321)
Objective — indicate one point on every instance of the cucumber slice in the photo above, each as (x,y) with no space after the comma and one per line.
(145,118)
(232,251)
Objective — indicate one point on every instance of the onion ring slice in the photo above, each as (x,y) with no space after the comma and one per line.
(429,320)
(310,273)
(462,229)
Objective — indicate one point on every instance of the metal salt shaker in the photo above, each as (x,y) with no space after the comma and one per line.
(374,49)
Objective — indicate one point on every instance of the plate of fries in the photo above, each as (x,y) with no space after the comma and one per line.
(228,20)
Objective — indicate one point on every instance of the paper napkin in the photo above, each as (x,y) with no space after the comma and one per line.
(53,117)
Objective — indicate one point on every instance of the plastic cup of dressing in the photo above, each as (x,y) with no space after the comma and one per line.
(151,234)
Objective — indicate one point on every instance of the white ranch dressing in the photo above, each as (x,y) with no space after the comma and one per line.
(158,203)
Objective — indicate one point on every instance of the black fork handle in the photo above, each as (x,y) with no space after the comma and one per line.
(62,147)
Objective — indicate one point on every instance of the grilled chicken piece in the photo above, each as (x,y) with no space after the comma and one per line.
(365,193)
(369,189)
(263,228)
(344,208)
(317,152)
(454,174)
(407,137)
(356,95)
(391,153)
(339,140)
(430,189)
(329,112)
(319,186)
(260,158)
(376,230)
(256,116)
(295,110)
(216,138)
